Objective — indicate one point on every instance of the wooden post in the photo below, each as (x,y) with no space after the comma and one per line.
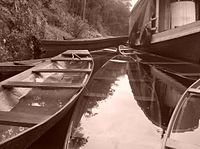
(157,15)
(84,9)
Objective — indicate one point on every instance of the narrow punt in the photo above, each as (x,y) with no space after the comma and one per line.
(36,99)
(52,47)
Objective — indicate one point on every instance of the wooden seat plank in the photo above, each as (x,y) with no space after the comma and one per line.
(61,70)
(21,119)
(81,52)
(194,90)
(78,54)
(11,84)
(71,59)
(163,63)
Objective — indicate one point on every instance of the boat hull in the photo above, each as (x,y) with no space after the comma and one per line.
(55,47)
(25,140)
(61,99)
(184,48)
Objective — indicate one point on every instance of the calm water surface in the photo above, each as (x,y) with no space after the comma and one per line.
(126,105)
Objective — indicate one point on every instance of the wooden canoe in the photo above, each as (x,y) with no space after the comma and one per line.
(36,99)
(54,47)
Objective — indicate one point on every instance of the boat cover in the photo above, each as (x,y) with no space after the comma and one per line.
(140,22)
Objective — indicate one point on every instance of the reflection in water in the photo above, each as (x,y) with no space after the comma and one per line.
(124,104)
(10,131)
(186,128)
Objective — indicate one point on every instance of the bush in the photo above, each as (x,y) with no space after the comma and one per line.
(16,46)
(79,28)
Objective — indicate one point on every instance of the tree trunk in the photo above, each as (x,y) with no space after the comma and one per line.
(84,9)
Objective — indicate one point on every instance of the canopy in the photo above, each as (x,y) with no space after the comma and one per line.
(140,21)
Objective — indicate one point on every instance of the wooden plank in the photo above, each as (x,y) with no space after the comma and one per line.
(11,84)
(71,59)
(157,15)
(163,63)
(21,119)
(189,74)
(176,32)
(194,91)
(77,52)
(109,50)
(61,70)
(118,61)
(127,49)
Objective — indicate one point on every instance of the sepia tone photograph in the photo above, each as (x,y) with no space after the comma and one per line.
(99,74)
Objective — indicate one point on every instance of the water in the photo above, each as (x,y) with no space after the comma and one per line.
(39,102)
(126,105)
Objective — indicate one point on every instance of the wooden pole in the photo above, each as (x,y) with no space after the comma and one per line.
(157,15)
(84,9)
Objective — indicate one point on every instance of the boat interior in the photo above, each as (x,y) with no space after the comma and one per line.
(33,96)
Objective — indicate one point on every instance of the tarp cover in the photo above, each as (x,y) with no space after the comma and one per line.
(140,21)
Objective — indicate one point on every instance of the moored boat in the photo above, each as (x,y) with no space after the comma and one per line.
(183,129)
(53,47)
(169,28)
(36,99)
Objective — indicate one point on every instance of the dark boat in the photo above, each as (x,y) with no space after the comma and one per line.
(54,47)
(169,28)
(183,130)
(35,100)
(143,113)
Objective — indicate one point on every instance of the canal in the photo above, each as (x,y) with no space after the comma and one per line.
(126,104)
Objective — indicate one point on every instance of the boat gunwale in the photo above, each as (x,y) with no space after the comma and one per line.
(175,33)
(85,41)
(59,113)
(65,146)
